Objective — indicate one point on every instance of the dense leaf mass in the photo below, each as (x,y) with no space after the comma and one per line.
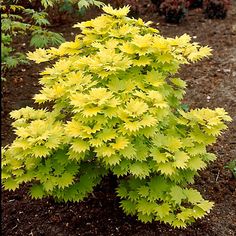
(117,107)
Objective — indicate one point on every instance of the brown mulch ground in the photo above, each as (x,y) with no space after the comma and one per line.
(211,83)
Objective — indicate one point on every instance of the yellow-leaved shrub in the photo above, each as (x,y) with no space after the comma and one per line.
(117,107)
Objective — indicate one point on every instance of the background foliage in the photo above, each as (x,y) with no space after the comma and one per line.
(31,18)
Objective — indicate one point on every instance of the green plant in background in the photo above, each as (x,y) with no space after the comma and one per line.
(80,3)
(117,107)
(14,24)
(10,26)
(232,167)
(72,5)
(87,3)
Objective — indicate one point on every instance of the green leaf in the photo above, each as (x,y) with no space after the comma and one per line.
(65,180)
(193,196)
(122,191)
(146,207)
(133,195)
(10,184)
(49,184)
(5,175)
(122,168)
(166,168)
(112,160)
(198,212)
(139,169)
(177,194)
(209,157)
(181,159)
(163,210)
(158,156)
(37,191)
(143,191)
(196,163)
(158,186)
(79,145)
(206,205)
(145,218)
(41,151)
(197,149)
(128,206)
(129,151)
(179,82)
(173,143)
(178,224)
(47,3)
(185,215)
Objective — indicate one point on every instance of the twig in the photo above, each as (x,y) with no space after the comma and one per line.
(218,174)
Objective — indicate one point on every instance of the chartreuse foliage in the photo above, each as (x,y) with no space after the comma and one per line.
(117,107)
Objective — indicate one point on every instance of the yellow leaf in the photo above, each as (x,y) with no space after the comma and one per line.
(173,143)
(112,160)
(158,156)
(90,111)
(142,41)
(120,143)
(148,120)
(128,48)
(99,94)
(155,78)
(79,100)
(96,142)
(166,168)
(107,134)
(181,159)
(79,145)
(142,61)
(73,128)
(133,126)
(136,107)
(121,12)
(128,152)
(105,151)
(39,55)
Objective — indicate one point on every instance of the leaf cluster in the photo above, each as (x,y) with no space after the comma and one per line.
(72,5)
(117,107)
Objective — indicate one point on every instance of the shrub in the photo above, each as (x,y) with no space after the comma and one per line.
(195,4)
(174,10)
(117,107)
(216,9)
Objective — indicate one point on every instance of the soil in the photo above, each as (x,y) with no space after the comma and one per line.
(211,83)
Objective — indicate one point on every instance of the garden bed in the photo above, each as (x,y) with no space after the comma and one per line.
(211,83)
